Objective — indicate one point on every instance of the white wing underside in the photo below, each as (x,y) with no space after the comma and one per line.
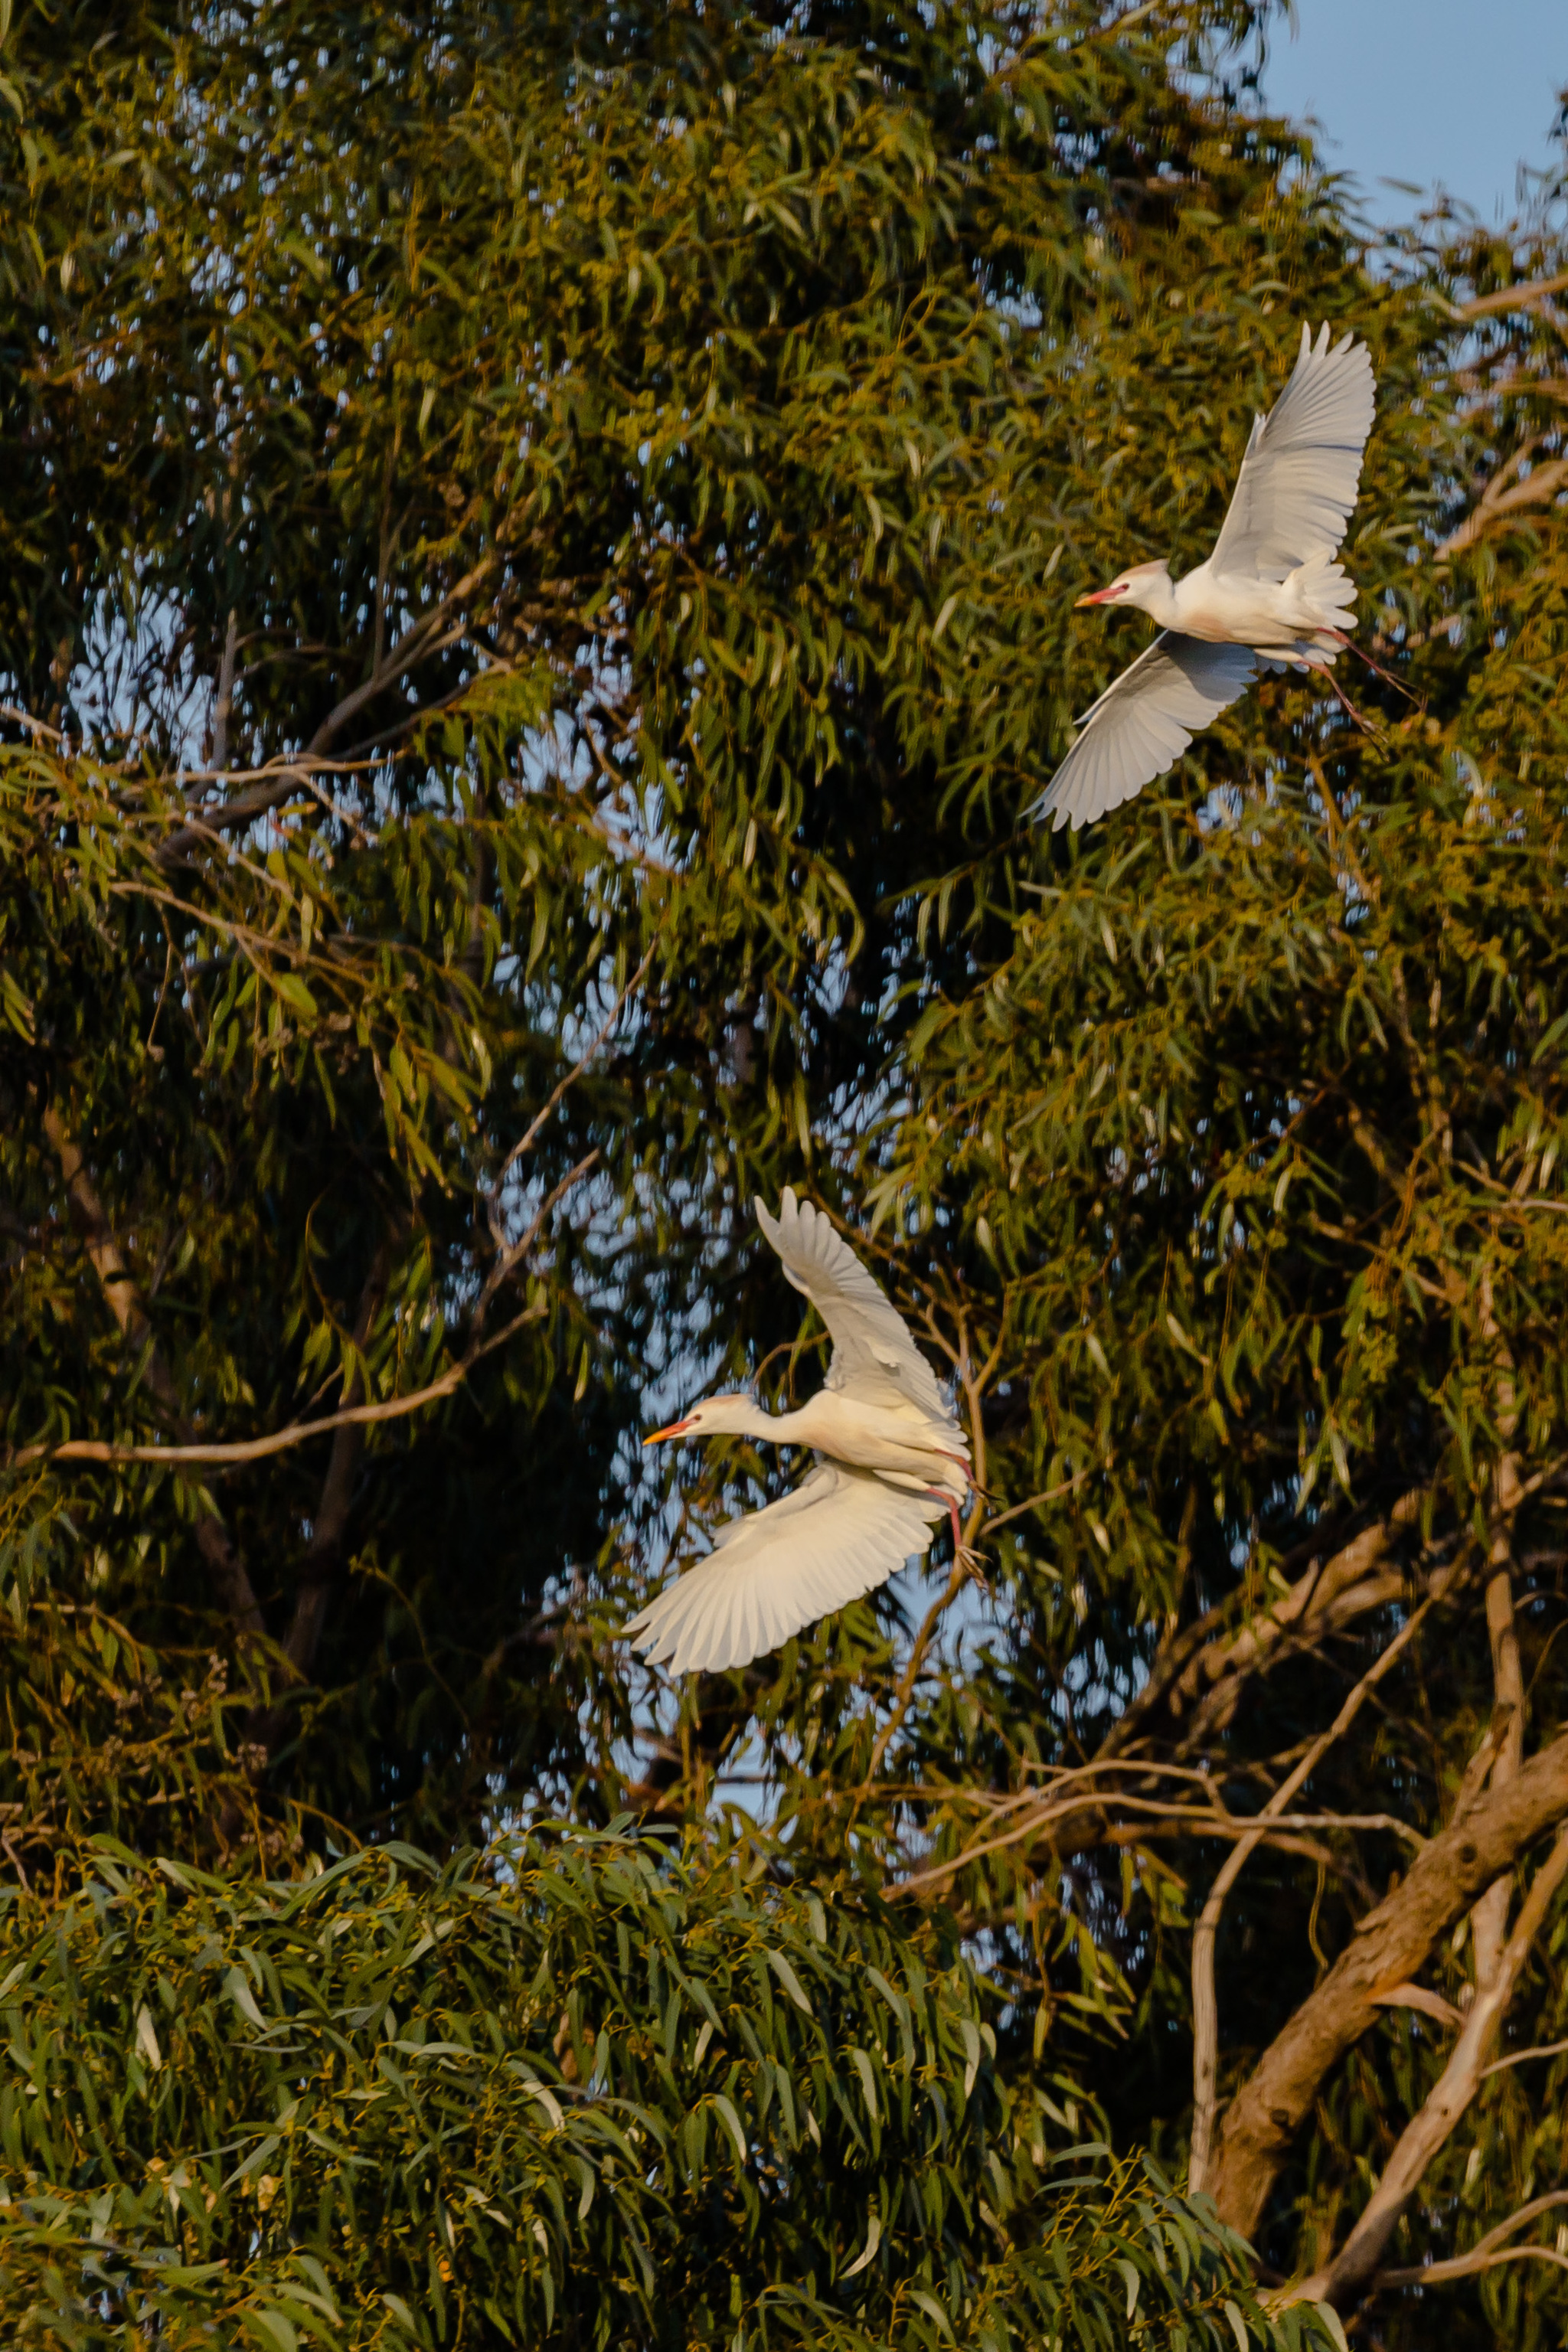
(841,1533)
(874,1359)
(1301,472)
(1142,723)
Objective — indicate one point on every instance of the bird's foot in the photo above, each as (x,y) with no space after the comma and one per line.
(970,1561)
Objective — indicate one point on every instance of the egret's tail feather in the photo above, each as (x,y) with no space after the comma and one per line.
(1323,593)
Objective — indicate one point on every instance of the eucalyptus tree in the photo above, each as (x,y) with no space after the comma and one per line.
(541,555)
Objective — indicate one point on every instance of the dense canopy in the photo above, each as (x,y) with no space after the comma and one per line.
(541,548)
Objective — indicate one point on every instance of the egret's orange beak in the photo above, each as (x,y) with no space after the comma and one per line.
(1100,597)
(675,1430)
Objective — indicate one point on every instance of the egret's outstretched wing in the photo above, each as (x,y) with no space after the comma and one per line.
(1142,723)
(874,1358)
(838,1534)
(1302,468)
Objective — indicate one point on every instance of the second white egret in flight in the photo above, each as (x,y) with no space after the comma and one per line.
(1270,596)
(891,1462)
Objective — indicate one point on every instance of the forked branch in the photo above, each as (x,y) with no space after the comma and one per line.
(1389,1946)
(1206,2013)
(1348,2276)
(1488,2252)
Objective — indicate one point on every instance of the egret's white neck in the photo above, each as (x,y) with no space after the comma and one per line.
(741,1416)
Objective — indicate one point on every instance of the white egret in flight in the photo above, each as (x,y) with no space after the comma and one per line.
(1271,595)
(891,1461)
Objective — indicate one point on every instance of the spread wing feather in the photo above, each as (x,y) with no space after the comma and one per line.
(839,1533)
(1301,472)
(1142,723)
(874,1358)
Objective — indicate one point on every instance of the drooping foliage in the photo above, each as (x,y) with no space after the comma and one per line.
(542,549)
(568,2095)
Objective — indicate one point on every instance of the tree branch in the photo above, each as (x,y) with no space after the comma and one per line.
(1518,2057)
(279,1441)
(1489,1923)
(421,640)
(1347,2277)
(1539,488)
(1206,1655)
(265,1726)
(1481,2255)
(1388,1947)
(1467,2265)
(223,702)
(1205,2011)
(1511,298)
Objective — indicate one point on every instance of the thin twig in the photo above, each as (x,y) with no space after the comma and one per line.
(1485,2252)
(1049,1494)
(422,639)
(1185,1820)
(1518,2057)
(34,726)
(530,1133)
(509,1258)
(1467,2265)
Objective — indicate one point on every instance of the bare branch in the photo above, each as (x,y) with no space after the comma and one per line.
(1511,298)
(1348,2273)
(120,1291)
(1207,1653)
(265,1726)
(1496,1962)
(418,642)
(1205,2012)
(1467,2265)
(1525,2214)
(331,1521)
(298,1433)
(958,1577)
(1388,1947)
(1518,2057)
(1034,1502)
(510,1258)
(34,726)
(1539,488)
(1153,1816)
(1421,1997)
(530,1134)
(223,702)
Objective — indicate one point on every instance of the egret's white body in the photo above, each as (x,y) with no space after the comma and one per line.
(891,1462)
(1271,595)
